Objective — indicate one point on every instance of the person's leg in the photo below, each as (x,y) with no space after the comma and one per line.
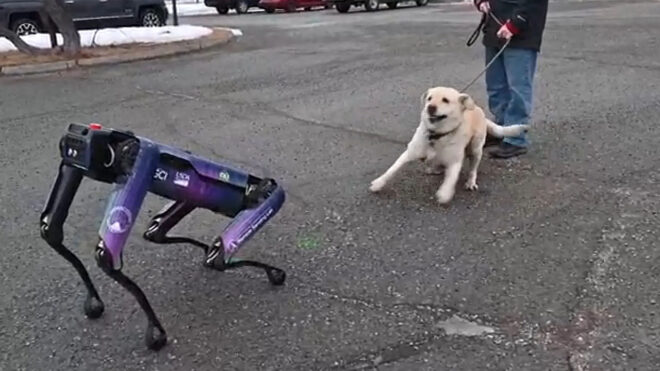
(497,86)
(520,65)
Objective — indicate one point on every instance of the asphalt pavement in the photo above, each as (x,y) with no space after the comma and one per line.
(552,265)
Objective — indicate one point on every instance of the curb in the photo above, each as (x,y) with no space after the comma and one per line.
(163,50)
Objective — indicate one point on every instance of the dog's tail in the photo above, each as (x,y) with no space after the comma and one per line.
(505,131)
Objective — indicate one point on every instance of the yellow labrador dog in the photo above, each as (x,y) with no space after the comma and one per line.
(451,128)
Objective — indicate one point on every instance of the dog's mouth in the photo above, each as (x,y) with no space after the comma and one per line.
(433,118)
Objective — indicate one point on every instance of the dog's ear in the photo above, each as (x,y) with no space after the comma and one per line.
(424,96)
(466,102)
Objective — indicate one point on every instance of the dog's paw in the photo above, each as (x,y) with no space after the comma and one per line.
(444,196)
(377,185)
(471,185)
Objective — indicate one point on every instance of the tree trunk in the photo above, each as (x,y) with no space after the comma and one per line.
(64,24)
(54,11)
(21,45)
(50,27)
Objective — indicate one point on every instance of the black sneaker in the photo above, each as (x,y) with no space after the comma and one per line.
(492,141)
(506,150)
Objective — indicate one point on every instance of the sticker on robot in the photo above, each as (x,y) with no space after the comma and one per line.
(182,179)
(252,228)
(224,176)
(119,220)
(160,175)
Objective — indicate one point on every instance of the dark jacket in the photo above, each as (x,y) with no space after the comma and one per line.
(526,19)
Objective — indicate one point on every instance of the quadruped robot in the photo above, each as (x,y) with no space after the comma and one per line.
(137,166)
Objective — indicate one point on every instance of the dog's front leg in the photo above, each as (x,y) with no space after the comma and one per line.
(446,191)
(415,150)
(380,182)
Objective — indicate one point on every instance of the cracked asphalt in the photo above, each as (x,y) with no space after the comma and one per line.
(556,253)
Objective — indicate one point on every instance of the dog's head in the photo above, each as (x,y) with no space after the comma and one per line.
(444,107)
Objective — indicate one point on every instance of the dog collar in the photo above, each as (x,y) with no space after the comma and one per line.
(434,135)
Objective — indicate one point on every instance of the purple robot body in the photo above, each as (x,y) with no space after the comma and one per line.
(209,185)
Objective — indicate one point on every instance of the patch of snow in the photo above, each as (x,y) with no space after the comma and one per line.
(118,36)
(190,9)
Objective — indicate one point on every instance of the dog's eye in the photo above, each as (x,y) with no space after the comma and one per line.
(429,98)
(445,100)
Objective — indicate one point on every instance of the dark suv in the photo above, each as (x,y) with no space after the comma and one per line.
(22,17)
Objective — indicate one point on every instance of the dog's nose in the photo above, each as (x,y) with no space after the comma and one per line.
(431,109)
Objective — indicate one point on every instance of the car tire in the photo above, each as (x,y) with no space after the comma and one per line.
(343,7)
(25,26)
(242,6)
(392,5)
(421,2)
(150,17)
(222,10)
(371,5)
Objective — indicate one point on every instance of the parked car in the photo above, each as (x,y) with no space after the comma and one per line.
(22,16)
(223,6)
(343,6)
(292,5)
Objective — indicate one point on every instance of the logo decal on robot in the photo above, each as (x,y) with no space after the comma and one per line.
(181,179)
(252,228)
(160,174)
(224,176)
(119,220)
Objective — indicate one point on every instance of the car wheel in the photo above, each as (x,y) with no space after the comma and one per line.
(151,18)
(392,5)
(371,5)
(343,7)
(25,26)
(222,10)
(421,2)
(242,7)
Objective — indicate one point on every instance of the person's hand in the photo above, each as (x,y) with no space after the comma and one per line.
(504,33)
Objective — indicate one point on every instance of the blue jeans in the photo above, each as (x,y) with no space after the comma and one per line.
(509,83)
